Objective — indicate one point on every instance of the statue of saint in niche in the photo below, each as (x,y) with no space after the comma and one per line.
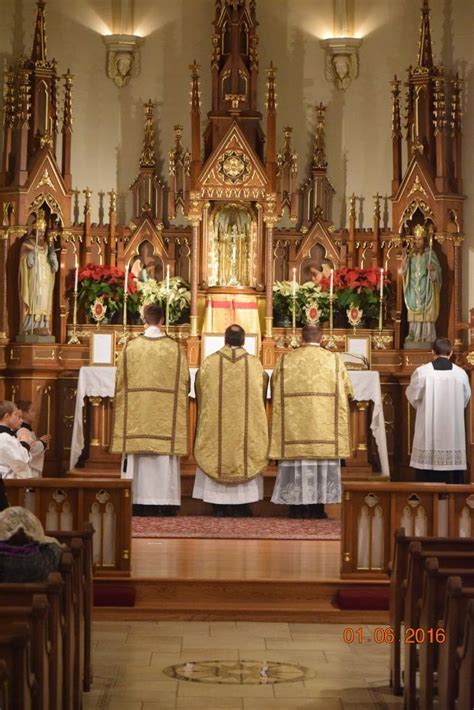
(38,267)
(422,280)
(232,234)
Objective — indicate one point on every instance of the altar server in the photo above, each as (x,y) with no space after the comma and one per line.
(232,433)
(15,455)
(440,392)
(38,444)
(310,426)
(151,416)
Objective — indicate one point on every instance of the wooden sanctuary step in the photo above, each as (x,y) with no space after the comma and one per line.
(252,600)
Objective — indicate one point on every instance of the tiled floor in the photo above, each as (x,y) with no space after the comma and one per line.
(129,659)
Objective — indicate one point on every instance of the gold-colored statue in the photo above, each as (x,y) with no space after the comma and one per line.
(38,267)
(233,258)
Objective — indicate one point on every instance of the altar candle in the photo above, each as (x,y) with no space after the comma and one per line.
(381,284)
(125,287)
(293,284)
(167,278)
(76,274)
(331,283)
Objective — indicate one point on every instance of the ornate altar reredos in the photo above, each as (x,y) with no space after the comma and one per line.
(231,217)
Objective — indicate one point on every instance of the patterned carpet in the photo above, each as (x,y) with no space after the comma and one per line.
(237,528)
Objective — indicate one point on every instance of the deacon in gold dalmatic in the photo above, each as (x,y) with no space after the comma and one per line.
(232,433)
(310,425)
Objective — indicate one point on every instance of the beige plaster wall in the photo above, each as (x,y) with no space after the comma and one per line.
(108,121)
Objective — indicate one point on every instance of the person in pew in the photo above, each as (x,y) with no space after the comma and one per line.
(232,433)
(3,496)
(15,454)
(26,553)
(440,392)
(39,444)
(310,431)
(150,426)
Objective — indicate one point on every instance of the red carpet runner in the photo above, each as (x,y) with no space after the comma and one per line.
(237,528)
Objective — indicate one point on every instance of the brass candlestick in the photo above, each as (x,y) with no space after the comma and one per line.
(294,340)
(125,334)
(331,342)
(379,339)
(167,312)
(74,339)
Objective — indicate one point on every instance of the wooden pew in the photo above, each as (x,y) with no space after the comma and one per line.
(413,589)
(16,655)
(435,582)
(71,690)
(22,594)
(453,625)
(85,535)
(36,617)
(4,686)
(399,569)
(465,663)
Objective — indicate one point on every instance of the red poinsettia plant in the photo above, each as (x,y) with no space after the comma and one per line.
(359,288)
(106,283)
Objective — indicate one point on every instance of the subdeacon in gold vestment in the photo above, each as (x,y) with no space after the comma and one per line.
(310,407)
(151,398)
(232,433)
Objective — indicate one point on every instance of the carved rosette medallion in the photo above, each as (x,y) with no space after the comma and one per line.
(234,167)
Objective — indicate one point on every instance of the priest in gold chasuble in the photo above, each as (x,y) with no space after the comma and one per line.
(151,416)
(232,434)
(310,430)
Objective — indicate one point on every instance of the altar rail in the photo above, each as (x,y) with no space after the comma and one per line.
(371,513)
(64,504)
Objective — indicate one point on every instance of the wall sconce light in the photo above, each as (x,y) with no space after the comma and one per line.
(342,60)
(123,58)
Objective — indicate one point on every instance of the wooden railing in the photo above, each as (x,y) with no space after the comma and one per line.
(372,512)
(63,504)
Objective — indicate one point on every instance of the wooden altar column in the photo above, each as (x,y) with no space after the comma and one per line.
(192,343)
(268,344)
(360,429)
(100,428)
(3,292)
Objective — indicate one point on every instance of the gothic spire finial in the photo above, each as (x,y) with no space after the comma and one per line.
(39,51)
(271,91)
(195,90)
(147,157)
(425,50)
(319,153)
(67,116)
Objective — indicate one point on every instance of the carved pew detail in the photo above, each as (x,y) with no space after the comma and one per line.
(63,504)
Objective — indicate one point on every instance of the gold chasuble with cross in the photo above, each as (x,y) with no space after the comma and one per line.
(151,398)
(310,406)
(232,433)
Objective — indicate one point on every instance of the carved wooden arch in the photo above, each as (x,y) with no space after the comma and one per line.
(317,234)
(50,201)
(146,231)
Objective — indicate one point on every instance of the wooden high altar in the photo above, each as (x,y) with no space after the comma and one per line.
(233,217)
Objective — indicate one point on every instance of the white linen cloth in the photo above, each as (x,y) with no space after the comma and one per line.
(93,382)
(210,491)
(439,397)
(14,458)
(307,482)
(100,382)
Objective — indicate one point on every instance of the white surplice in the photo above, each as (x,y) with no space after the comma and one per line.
(308,482)
(156,478)
(439,397)
(211,491)
(14,458)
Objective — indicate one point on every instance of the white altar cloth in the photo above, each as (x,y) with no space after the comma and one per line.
(100,382)
(92,382)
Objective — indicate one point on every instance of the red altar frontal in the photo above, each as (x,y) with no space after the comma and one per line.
(233,218)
